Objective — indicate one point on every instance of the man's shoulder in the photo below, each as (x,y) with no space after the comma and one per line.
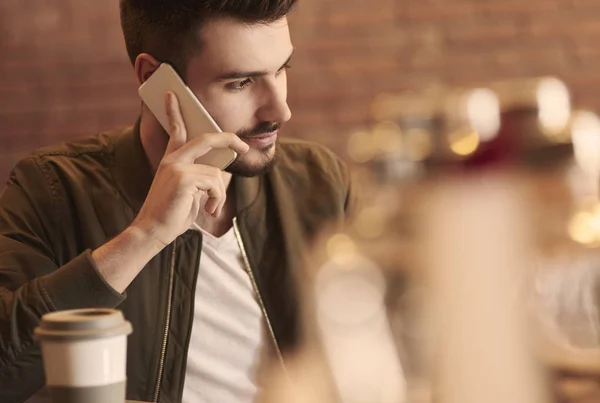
(309,168)
(90,153)
(314,182)
(74,160)
(310,155)
(306,149)
(99,143)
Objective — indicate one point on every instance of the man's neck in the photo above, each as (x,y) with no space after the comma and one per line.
(154,141)
(218,226)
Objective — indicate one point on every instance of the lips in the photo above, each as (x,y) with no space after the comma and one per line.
(261,140)
(263,135)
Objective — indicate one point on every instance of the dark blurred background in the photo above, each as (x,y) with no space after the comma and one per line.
(64,71)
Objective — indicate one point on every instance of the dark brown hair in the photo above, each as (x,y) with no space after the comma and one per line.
(167,29)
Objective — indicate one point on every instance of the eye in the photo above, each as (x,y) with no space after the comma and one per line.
(239,85)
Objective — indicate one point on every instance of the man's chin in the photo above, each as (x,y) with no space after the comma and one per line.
(259,165)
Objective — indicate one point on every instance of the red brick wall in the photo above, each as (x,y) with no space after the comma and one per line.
(64,72)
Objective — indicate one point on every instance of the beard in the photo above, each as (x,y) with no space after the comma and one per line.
(258,161)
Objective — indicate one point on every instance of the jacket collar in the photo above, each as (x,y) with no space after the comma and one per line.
(131,169)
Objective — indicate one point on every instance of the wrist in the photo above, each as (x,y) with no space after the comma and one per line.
(146,238)
(121,259)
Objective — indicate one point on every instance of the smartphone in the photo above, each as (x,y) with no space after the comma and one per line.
(195,117)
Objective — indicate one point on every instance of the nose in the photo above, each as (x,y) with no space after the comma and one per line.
(274,107)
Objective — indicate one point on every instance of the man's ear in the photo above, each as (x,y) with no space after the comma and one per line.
(144,66)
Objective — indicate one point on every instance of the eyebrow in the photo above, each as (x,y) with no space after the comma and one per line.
(234,75)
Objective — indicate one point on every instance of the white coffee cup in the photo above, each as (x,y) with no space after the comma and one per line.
(85,353)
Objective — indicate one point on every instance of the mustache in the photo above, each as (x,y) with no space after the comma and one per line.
(261,128)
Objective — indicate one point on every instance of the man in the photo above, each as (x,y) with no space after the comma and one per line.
(200,261)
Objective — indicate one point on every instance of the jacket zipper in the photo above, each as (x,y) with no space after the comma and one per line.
(167,322)
(258,295)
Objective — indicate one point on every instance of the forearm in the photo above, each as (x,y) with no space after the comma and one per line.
(121,259)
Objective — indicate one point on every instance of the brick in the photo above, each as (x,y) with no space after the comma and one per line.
(586,100)
(517,8)
(434,62)
(420,12)
(550,57)
(390,40)
(44,100)
(361,18)
(307,18)
(305,30)
(585,51)
(483,34)
(583,81)
(322,88)
(353,7)
(309,117)
(351,113)
(572,24)
(585,4)
(400,82)
(353,68)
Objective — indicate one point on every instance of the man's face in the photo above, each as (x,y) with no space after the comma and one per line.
(240,77)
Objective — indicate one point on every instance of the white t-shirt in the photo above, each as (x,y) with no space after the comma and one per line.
(227,332)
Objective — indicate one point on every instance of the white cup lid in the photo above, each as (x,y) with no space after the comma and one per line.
(82,324)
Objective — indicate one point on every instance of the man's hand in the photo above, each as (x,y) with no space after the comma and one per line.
(179,186)
(173,202)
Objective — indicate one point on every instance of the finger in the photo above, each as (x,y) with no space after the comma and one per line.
(215,199)
(203,179)
(219,209)
(212,189)
(200,145)
(177,131)
(211,206)
(207,180)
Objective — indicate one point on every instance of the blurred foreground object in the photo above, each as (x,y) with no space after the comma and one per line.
(469,274)
(477,252)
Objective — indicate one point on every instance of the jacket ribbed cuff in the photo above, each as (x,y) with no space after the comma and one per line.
(79,284)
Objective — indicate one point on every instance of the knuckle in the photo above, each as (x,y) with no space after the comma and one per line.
(212,182)
(165,165)
(232,137)
(176,170)
(164,162)
(203,137)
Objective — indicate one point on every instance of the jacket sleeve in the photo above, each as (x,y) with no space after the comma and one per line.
(31,282)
